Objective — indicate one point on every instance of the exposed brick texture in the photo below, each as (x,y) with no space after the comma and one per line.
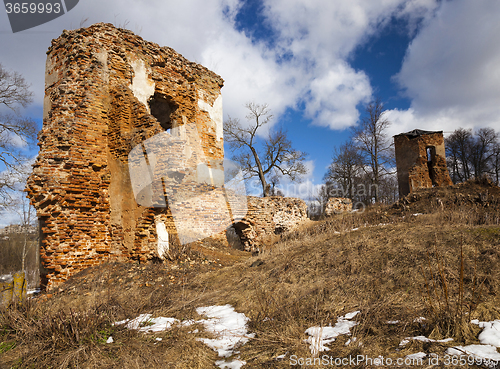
(336,205)
(107,91)
(420,161)
(269,216)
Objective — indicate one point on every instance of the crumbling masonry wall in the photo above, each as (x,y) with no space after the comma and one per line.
(336,205)
(107,91)
(268,216)
(420,160)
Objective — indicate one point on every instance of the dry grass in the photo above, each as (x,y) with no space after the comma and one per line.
(443,265)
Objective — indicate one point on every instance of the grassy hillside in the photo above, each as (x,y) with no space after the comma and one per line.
(433,255)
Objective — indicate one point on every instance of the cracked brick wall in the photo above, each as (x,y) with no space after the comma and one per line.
(107,91)
(420,160)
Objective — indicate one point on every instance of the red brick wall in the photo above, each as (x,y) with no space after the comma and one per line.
(98,82)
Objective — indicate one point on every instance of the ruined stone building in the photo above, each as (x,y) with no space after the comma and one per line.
(420,160)
(113,104)
(267,217)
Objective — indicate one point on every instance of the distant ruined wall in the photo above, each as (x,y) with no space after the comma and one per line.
(420,161)
(337,205)
(107,91)
(269,216)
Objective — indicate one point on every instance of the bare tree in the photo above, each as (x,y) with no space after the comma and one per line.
(472,155)
(275,155)
(373,143)
(345,170)
(496,163)
(16,132)
(482,151)
(14,90)
(458,147)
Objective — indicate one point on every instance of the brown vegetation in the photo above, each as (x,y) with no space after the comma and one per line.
(442,265)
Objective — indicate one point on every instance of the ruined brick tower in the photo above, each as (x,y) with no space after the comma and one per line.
(107,91)
(420,160)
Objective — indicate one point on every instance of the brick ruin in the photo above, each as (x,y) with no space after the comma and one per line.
(336,205)
(420,160)
(267,217)
(108,92)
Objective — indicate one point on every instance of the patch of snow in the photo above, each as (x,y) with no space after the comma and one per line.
(110,340)
(404,342)
(33,291)
(234,364)
(417,214)
(418,355)
(230,329)
(486,355)
(321,336)
(225,323)
(423,339)
(392,322)
(281,357)
(350,340)
(419,319)
(144,323)
(490,334)
(352,315)
(228,325)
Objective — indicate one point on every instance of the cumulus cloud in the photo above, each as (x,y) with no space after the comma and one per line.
(316,37)
(451,71)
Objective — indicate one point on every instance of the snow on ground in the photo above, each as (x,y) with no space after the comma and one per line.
(321,336)
(230,329)
(33,291)
(486,353)
(423,339)
(144,323)
(227,325)
(418,355)
(490,334)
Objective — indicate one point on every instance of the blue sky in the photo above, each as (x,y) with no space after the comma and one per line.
(434,63)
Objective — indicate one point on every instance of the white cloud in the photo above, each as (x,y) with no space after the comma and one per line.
(319,35)
(333,97)
(451,69)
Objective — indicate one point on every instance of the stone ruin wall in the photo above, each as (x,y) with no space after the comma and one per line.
(336,205)
(107,91)
(269,216)
(413,167)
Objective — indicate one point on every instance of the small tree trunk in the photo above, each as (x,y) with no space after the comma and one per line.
(265,187)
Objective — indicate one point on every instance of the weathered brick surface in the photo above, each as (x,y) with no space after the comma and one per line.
(336,205)
(107,91)
(269,216)
(420,161)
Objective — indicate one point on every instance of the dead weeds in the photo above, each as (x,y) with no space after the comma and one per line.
(394,267)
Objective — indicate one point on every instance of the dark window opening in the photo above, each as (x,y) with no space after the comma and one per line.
(431,160)
(431,153)
(162,108)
